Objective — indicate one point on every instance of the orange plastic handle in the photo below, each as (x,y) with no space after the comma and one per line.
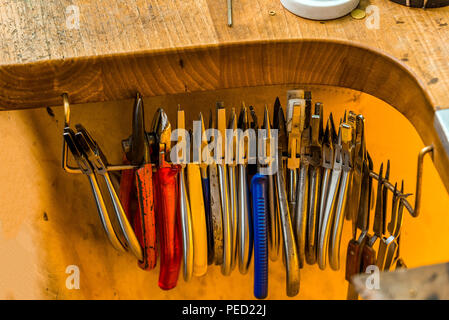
(145,221)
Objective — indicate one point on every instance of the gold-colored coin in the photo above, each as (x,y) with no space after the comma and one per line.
(358,14)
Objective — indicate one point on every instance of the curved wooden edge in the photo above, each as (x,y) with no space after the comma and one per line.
(231,65)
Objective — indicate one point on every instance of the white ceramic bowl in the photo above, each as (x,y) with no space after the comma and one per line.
(320,9)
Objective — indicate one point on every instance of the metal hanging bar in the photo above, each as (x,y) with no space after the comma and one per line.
(65,165)
(414,212)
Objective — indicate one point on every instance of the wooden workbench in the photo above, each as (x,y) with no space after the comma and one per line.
(165,47)
(35,34)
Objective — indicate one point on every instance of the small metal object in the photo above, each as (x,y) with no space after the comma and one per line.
(229,13)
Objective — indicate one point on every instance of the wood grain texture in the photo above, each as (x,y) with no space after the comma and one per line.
(165,47)
(40,57)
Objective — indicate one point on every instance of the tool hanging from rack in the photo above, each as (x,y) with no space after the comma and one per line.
(236,189)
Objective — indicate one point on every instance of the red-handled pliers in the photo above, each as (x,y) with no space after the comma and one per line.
(165,184)
(139,183)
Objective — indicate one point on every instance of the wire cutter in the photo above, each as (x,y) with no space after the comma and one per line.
(140,182)
(99,163)
(342,197)
(244,220)
(166,195)
(88,170)
(315,161)
(331,151)
(291,254)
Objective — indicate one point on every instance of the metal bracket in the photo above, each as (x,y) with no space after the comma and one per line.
(65,162)
(414,212)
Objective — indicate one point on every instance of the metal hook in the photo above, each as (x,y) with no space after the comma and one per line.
(67,168)
(414,212)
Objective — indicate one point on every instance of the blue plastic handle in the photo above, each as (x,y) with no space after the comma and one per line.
(259,194)
(210,231)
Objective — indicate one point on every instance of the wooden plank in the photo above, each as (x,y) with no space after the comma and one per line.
(33,31)
(423,283)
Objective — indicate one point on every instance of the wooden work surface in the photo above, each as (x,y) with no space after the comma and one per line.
(34,31)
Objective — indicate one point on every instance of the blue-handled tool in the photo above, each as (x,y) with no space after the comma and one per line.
(259,193)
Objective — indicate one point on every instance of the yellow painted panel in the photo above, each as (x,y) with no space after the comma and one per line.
(48,219)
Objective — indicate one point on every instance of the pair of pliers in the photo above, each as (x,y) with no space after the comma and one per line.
(231,161)
(139,182)
(315,163)
(244,218)
(351,121)
(360,196)
(87,168)
(369,253)
(291,253)
(389,245)
(185,214)
(295,125)
(302,186)
(342,197)
(166,199)
(197,179)
(92,152)
(332,150)
(260,209)
(191,203)
(223,183)
(216,217)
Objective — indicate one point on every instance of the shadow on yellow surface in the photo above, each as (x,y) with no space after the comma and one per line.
(48,218)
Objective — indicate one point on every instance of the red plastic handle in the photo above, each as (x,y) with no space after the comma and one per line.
(166,194)
(126,192)
(145,220)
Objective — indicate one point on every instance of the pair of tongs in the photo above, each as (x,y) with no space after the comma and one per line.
(91,160)
(138,182)
(332,167)
(290,251)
